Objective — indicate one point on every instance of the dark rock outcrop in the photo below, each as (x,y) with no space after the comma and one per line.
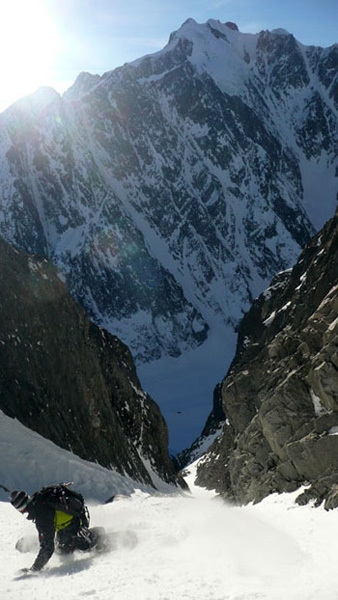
(280,396)
(70,381)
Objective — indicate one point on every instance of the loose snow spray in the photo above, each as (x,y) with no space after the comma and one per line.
(188,548)
(191,547)
(205,548)
(239,543)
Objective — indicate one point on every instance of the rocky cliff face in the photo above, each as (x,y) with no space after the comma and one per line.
(70,381)
(280,396)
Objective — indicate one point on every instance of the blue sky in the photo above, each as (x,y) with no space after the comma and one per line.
(49,42)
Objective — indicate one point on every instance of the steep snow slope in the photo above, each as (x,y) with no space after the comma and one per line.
(193,547)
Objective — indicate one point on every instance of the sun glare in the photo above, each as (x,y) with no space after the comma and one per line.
(29,44)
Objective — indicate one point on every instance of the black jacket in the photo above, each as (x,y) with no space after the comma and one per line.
(44,518)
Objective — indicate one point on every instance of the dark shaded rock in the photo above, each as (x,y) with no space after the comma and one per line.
(71,381)
(331,501)
(231,25)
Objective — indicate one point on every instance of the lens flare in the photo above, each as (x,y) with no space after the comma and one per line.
(29,42)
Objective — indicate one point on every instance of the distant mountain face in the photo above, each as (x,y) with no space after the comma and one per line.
(69,380)
(169,191)
(280,397)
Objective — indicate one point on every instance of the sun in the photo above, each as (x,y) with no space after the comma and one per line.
(29,44)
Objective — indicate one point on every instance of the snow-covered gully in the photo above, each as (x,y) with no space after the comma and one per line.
(191,547)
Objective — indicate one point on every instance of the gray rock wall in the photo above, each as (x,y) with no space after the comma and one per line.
(280,396)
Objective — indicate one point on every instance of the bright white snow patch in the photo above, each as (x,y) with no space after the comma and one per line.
(317,404)
(270,319)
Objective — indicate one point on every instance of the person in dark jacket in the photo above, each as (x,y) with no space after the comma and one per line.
(71,533)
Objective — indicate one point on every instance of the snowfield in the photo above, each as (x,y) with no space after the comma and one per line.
(189,546)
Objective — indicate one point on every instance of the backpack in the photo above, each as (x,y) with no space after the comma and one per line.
(61,498)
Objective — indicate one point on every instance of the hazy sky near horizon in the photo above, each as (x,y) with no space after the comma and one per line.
(49,42)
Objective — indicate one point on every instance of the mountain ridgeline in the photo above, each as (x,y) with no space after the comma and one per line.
(169,191)
(71,381)
(280,397)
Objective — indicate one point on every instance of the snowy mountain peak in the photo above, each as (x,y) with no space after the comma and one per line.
(83,84)
(43,98)
(280,31)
